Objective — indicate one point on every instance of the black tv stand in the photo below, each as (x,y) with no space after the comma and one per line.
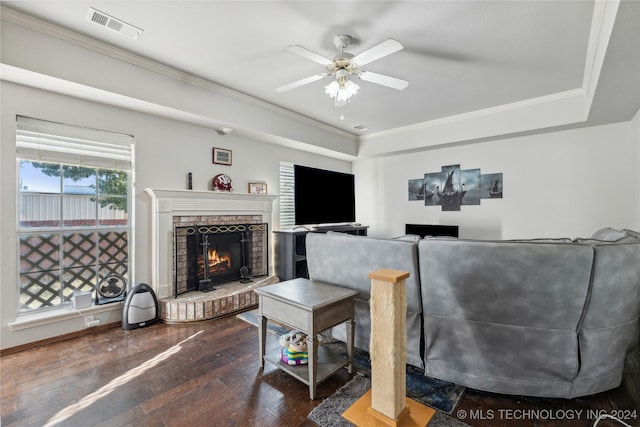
(290,256)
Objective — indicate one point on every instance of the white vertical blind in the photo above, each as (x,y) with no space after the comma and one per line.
(287,186)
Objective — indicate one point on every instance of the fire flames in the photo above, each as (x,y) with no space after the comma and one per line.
(218,262)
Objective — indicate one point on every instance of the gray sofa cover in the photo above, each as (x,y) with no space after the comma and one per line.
(551,318)
(346,260)
(611,323)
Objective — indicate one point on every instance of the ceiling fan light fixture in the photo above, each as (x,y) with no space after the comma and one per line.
(346,92)
(342,88)
(344,65)
(332,89)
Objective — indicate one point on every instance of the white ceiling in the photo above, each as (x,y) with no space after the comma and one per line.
(459,56)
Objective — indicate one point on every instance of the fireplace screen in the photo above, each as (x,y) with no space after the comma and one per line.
(210,255)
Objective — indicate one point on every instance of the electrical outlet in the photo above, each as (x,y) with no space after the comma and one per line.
(92,323)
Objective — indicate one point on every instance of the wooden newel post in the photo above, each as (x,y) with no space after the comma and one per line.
(388,345)
(386,403)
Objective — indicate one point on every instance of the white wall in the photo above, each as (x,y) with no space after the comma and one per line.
(166,151)
(560,184)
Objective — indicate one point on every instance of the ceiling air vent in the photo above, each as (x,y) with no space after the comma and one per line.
(361,128)
(114,24)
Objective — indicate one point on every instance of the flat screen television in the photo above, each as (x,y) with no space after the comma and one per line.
(431,230)
(323,197)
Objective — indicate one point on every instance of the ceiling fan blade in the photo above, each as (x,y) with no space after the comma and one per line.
(306,53)
(385,48)
(384,80)
(300,82)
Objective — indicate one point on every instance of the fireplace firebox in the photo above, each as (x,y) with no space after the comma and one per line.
(211,255)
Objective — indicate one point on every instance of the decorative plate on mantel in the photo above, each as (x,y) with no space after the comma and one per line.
(221,182)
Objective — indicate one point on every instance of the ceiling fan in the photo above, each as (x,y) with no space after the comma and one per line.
(344,65)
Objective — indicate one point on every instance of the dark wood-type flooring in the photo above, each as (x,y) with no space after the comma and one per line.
(207,374)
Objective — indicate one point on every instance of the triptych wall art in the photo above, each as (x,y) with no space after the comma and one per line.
(453,187)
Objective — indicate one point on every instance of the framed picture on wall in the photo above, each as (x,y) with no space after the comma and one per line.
(257,188)
(221,156)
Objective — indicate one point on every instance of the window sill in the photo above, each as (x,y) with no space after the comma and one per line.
(46,318)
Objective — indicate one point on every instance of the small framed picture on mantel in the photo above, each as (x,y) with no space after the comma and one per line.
(257,188)
(221,156)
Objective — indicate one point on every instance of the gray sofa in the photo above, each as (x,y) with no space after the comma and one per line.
(346,260)
(549,317)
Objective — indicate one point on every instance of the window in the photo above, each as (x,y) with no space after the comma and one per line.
(74,213)
(287,187)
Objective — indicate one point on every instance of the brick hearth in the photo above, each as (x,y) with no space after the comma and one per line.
(226,299)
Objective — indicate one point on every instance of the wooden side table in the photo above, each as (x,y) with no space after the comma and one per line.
(310,307)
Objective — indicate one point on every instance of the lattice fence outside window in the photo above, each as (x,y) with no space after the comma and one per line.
(53,266)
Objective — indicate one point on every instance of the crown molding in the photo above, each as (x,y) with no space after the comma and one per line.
(602,22)
(53,30)
(578,100)
(514,106)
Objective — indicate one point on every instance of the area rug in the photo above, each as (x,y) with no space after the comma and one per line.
(436,393)
(329,412)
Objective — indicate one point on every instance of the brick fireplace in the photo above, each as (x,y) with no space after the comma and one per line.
(176,211)
(211,250)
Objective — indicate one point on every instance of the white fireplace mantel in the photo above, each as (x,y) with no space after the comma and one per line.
(165,204)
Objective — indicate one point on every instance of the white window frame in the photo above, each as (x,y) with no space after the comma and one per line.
(49,142)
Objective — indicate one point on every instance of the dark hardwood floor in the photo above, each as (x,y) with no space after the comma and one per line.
(206,374)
